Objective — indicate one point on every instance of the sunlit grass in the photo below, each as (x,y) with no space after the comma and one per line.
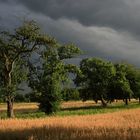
(121,125)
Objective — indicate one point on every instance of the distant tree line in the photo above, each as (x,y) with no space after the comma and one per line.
(48,74)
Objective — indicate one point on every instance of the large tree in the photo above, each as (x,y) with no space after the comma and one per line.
(120,87)
(49,78)
(133,76)
(95,78)
(15,50)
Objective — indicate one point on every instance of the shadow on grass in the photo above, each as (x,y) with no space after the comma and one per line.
(71,133)
(42,133)
(81,108)
(99,107)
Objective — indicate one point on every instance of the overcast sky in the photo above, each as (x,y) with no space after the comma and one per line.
(108,29)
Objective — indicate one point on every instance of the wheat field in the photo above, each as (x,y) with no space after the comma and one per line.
(122,125)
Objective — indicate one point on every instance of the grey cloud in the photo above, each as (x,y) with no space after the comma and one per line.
(11,15)
(97,38)
(117,14)
(94,41)
(100,42)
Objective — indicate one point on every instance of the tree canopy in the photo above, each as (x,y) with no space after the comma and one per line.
(50,79)
(96,76)
(16,49)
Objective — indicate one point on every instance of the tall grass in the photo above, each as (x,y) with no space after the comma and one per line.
(122,125)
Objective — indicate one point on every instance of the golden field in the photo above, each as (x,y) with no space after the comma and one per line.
(121,125)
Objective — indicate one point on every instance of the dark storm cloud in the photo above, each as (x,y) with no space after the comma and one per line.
(118,14)
(101,28)
(97,41)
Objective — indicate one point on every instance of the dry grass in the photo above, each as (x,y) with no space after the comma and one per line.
(30,107)
(78,104)
(122,125)
(69,104)
(20,106)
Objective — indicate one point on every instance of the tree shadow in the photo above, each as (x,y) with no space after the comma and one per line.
(98,107)
(81,108)
(41,133)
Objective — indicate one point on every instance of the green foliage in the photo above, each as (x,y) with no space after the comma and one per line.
(33,96)
(96,77)
(120,81)
(68,51)
(133,76)
(52,75)
(100,80)
(123,84)
(50,89)
(70,94)
(16,49)
(20,98)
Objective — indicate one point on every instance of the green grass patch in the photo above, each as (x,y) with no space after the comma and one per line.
(96,109)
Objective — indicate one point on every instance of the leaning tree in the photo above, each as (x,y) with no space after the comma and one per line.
(16,49)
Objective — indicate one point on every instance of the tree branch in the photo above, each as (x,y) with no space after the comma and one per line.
(25,51)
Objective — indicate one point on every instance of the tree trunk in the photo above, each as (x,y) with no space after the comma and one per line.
(104,104)
(10,110)
(9,64)
(126,101)
(139,100)
(9,98)
(96,101)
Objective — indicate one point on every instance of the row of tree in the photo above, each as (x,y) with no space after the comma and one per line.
(105,81)
(47,73)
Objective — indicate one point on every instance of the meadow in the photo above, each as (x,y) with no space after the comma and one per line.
(76,120)
(30,110)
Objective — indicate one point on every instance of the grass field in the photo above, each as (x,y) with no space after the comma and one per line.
(121,125)
(30,110)
(75,120)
